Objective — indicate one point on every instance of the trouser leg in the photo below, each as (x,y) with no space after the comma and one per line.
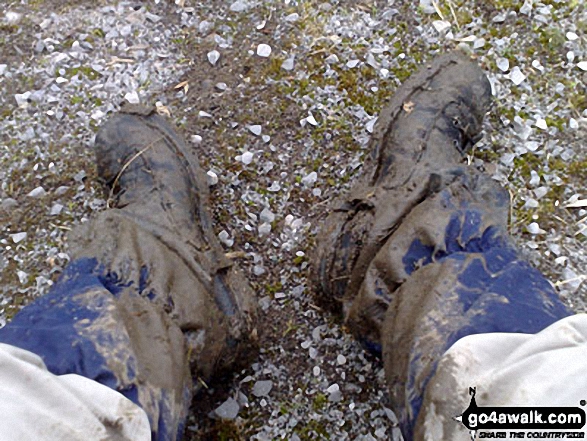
(449,271)
(130,313)
(90,324)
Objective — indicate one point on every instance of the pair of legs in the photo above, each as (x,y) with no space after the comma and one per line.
(150,304)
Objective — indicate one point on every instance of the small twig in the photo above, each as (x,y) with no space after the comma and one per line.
(116,60)
(452,11)
(235,254)
(125,166)
(203,383)
(574,279)
(61,227)
(438,11)
(583,228)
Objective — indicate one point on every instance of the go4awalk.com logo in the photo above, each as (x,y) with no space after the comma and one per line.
(523,422)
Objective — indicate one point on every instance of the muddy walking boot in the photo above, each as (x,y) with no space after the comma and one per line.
(150,305)
(416,149)
(422,255)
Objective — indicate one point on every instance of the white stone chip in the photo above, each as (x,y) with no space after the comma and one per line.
(203,114)
(541,124)
(582,65)
(213,57)
(18,237)
(517,76)
(540,192)
(333,388)
(12,17)
(258,270)
(263,50)
(266,215)
(571,36)
(571,279)
(531,203)
(37,192)
(211,177)
(247,158)
(310,179)
(225,238)
(534,228)
(228,410)
(316,371)
(293,17)
(288,64)
(341,359)
(255,129)
(526,7)
(503,64)
(264,229)
(22,99)
(97,115)
(331,59)
(441,26)
(573,124)
(262,388)
(370,124)
(22,277)
(311,120)
(132,97)
(534,178)
(239,6)
(536,65)
(56,209)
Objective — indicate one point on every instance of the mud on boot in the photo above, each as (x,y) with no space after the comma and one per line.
(415,150)
(158,240)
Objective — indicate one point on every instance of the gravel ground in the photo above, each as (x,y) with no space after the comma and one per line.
(279,98)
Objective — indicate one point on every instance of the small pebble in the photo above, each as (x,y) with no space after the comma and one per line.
(311,120)
(263,50)
(132,97)
(211,177)
(239,6)
(255,129)
(213,57)
(288,64)
(56,209)
(262,388)
(310,179)
(534,228)
(264,229)
(18,237)
(228,410)
(37,193)
(503,64)
(517,76)
(266,215)
(247,158)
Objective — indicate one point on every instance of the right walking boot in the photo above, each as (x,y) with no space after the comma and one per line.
(416,149)
(422,255)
